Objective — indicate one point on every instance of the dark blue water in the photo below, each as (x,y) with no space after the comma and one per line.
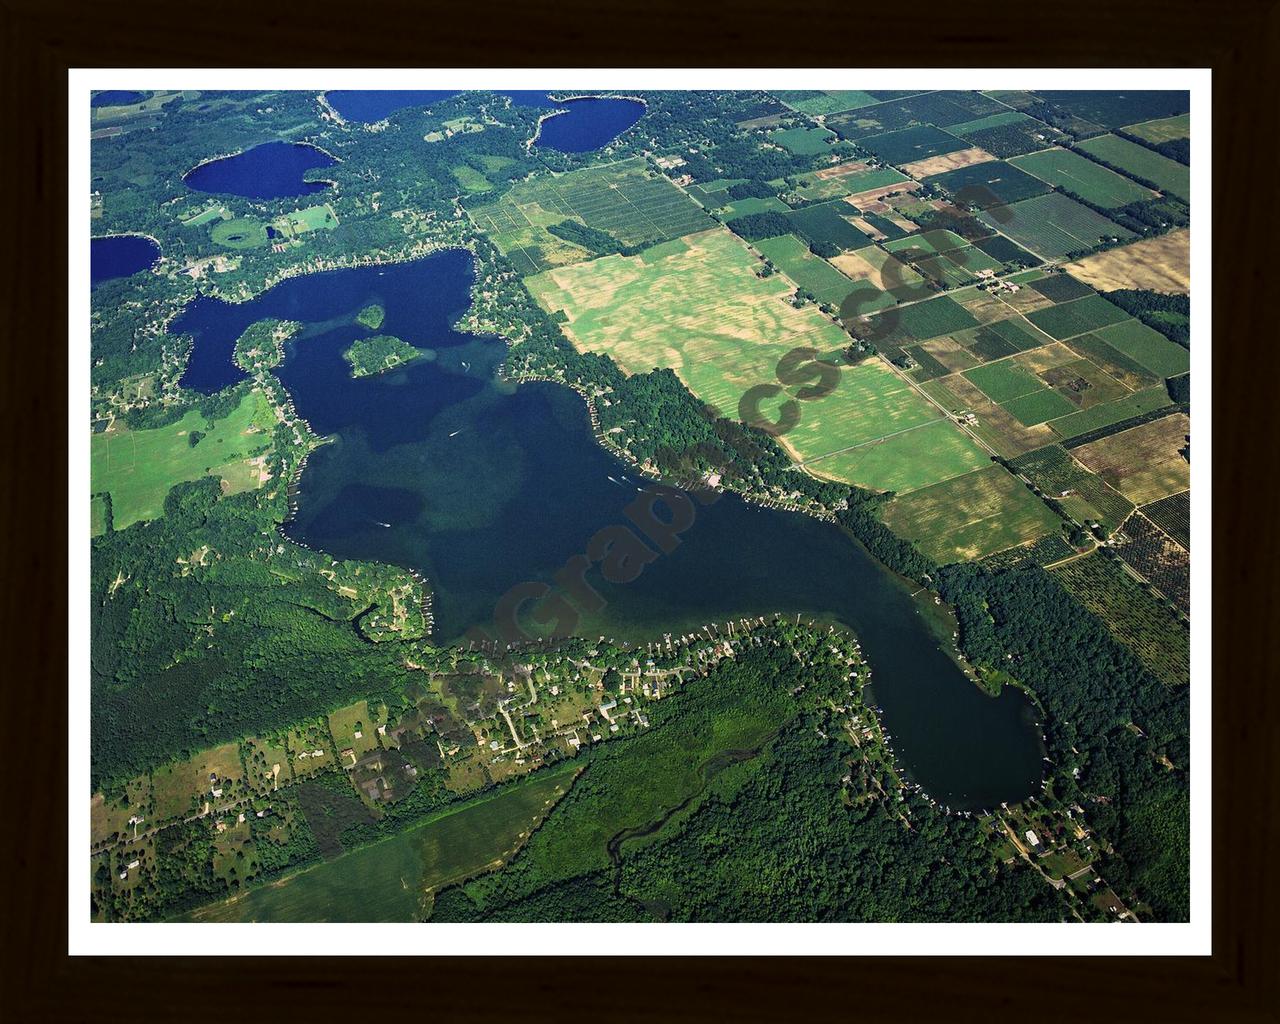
(116,98)
(482,486)
(273,170)
(120,256)
(586,125)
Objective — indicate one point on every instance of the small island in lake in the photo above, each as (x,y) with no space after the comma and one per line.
(371,316)
(371,356)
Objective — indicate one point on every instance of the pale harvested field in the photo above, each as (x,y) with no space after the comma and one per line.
(947,162)
(1037,360)
(872,195)
(1026,300)
(890,273)
(1142,463)
(950,353)
(867,228)
(984,307)
(840,170)
(1157,264)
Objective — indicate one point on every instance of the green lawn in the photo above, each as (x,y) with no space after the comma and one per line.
(138,467)
(241,233)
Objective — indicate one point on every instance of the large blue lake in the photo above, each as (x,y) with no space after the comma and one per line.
(480,486)
(585,125)
(120,256)
(272,170)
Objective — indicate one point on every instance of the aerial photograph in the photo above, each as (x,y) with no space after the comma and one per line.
(613,505)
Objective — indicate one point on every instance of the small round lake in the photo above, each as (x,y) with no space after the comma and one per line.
(120,256)
(480,486)
(273,170)
(116,98)
(581,126)
(587,124)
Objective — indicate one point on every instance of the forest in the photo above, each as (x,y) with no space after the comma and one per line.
(764,836)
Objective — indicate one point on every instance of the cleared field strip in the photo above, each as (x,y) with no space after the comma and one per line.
(138,467)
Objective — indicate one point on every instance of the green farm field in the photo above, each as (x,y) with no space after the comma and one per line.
(803,141)
(1148,347)
(1053,225)
(1137,404)
(1082,177)
(906,461)
(1039,406)
(1084,495)
(1003,381)
(1078,316)
(626,199)
(745,207)
(811,273)
(138,467)
(700,310)
(826,102)
(1165,174)
(1163,129)
(836,186)
(971,516)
